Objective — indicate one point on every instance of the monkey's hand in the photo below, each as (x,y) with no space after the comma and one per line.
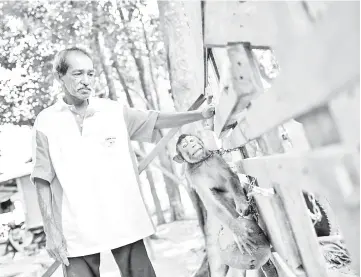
(244,241)
(243,208)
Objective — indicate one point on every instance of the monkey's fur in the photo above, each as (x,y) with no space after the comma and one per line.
(240,240)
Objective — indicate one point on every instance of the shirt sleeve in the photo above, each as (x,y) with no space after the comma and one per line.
(42,165)
(141,124)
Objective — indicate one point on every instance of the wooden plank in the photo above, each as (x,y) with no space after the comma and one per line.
(346,176)
(310,168)
(301,225)
(271,142)
(345,110)
(244,21)
(331,172)
(248,85)
(345,200)
(226,99)
(321,126)
(240,82)
(309,79)
(246,82)
(283,269)
(272,214)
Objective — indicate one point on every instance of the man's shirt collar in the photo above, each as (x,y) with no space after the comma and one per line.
(61,105)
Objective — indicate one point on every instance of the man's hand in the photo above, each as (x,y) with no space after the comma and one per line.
(55,245)
(208,111)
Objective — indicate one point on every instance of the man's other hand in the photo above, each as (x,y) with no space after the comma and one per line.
(208,111)
(55,245)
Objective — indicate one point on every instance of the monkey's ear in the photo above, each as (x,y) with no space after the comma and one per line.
(178,158)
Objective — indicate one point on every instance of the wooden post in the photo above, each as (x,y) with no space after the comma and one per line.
(181,22)
(271,210)
(321,130)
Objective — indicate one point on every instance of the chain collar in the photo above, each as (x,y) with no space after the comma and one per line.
(212,152)
(202,160)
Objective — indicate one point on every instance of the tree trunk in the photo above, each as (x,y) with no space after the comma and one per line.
(175,201)
(99,46)
(182,28)
(122,81)
(153,190)
(150,65)
(138,61)
(176,207)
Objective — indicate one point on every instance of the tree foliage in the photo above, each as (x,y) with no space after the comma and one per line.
(33,31)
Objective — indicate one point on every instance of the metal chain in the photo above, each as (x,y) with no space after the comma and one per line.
(251,200)
(315,214)
(222,151)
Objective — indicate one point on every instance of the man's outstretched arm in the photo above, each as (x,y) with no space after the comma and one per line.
(177,119)
(143,125)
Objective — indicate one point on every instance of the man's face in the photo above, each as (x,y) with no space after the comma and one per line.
(192,149)
(79,79)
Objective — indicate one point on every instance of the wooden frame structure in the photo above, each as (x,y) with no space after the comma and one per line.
(317,47)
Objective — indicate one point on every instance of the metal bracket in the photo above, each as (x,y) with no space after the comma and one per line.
(261,191)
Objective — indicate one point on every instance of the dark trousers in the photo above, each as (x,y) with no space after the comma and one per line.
(132,260)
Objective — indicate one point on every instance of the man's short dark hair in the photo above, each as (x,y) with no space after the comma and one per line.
(61,65)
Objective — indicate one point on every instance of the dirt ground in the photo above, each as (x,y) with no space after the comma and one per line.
(177,252)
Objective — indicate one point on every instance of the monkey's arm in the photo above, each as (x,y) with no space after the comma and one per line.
(216,203)
(220,207)
(236,189)
(231,181)
(233,184)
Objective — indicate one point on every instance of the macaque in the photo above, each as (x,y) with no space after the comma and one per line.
(241,242)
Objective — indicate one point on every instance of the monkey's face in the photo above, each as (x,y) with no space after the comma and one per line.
(192,149)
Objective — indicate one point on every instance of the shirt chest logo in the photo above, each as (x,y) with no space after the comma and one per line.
(109,141)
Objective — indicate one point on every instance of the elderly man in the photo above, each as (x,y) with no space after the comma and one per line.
(86,175)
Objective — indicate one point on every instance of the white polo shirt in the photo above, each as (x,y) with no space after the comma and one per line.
(93,173)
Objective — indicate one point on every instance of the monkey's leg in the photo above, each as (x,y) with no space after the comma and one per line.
(269,270)
(216,266)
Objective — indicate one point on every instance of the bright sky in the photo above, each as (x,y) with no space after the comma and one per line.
(15,146)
